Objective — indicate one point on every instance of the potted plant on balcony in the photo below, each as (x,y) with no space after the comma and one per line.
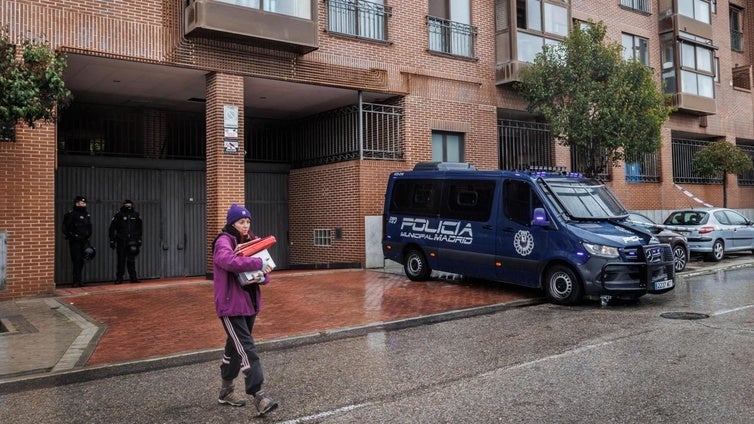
(31,86)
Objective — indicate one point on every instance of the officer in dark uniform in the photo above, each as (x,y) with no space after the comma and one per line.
(77,228)
(125,237)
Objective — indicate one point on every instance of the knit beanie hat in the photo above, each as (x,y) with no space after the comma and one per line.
(79,198)
(235,213)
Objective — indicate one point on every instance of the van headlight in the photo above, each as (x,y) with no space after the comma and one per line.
(600,250)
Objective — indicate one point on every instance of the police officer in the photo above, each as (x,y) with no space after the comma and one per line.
(77,228)
(125,237)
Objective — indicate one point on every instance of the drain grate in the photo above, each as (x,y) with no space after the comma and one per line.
(684,315)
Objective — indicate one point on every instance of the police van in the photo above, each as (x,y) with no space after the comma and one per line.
(552,230)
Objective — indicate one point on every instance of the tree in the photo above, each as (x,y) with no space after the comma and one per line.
(721,158)
(31,89)
(594,100)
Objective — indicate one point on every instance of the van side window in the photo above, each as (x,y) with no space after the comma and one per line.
(469,200)
(519,202)
(416,197)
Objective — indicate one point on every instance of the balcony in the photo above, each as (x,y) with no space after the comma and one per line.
(451,38)
(271,29)
(693,104)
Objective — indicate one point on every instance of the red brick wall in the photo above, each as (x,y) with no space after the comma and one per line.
(225,171)
(27,175)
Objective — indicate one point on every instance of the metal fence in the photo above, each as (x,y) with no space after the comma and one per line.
(451,37)
(358,18)
(683,153)
(524,144)
(747,178)
(643,168)
(579,163)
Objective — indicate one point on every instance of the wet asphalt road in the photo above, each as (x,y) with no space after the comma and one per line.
(621,364)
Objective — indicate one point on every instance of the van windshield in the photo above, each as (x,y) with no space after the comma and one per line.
(586,200)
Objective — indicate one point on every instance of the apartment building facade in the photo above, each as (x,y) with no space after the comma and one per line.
(301,108)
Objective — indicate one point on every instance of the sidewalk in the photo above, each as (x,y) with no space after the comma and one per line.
(105,329)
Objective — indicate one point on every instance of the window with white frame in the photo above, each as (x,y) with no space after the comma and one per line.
(447,146)
(635,48)
(322,237)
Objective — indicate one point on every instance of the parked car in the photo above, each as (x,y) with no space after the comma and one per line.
(714,231)
(676,240)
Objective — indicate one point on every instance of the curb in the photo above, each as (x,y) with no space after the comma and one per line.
(53,379)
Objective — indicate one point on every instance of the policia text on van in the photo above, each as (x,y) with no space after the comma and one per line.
(561,232)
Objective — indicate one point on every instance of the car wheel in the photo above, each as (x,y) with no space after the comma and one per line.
(680,257)
(563,286)
(415,265)
(718,251)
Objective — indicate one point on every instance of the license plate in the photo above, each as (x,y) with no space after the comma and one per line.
(659,285)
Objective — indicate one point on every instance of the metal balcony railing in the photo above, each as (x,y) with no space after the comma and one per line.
(451,37)
(644,6)
(359,18)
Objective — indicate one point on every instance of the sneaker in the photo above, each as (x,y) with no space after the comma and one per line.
(264,403)
(229,397)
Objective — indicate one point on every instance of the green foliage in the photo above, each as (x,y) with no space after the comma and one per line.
(721,158)
(31,89)
(605,107)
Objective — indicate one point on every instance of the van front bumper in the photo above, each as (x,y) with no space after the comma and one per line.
(653,273)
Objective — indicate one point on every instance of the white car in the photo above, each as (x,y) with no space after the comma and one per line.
(713,231)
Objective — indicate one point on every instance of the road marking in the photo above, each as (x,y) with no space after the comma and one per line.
(727,311)
(326,413)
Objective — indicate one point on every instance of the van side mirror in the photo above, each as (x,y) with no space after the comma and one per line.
(540,218)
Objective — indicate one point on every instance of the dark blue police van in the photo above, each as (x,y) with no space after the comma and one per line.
(557,231)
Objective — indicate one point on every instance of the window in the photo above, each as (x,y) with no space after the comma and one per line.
(359,18)
(683,153)
(635,48)
(539,23)
(695,9)
(736,29)
(642,169)
(469,200)
(298,8)
(322,237)
(447,146)
(644,6)
(450,29)
(416,197)
(746,146)
(519,202)
(697,76)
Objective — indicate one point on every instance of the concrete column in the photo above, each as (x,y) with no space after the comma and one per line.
(225,168)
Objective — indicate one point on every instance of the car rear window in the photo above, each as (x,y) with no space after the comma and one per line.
(686,218)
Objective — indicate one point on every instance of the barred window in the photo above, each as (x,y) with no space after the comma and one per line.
(323,237)
(524,144)
(747,146)
(642,168)
(683,153)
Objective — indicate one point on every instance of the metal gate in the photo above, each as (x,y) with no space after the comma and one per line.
(169,196)
(267,200)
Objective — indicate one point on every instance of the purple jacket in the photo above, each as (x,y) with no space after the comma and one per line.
(231,299)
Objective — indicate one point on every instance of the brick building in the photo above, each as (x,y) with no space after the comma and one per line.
(301,108)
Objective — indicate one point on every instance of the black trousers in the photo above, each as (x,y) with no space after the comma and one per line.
(125,259)
(77,257)
(241,354)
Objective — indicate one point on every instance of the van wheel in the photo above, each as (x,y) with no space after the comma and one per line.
(563,286)
(415,265)
(718,251)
